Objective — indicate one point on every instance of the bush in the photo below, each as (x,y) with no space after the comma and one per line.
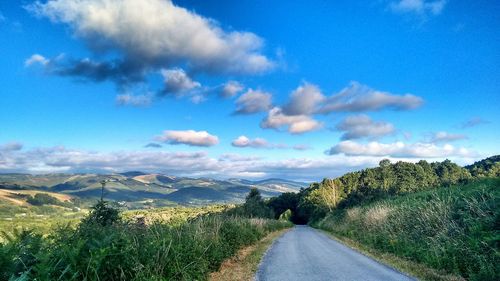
(455,228)
(43,199)
(106,247)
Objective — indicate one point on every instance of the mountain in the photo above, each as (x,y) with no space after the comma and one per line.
(136,188)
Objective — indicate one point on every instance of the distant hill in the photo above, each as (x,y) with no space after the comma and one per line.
(142,188)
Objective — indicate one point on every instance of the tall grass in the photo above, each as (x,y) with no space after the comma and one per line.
(456,228)
(131,251)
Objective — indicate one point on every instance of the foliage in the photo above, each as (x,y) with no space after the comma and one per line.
(368,185)
(286,215)
(254,206)
(43,199)
(489,167)
(453,228)
(102,214)
(105,246)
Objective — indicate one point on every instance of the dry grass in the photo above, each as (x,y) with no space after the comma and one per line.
(245,263)
(9,195)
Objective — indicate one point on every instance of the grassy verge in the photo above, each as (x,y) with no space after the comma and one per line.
(411,268)
(245,263)
(450,229)
(122,250)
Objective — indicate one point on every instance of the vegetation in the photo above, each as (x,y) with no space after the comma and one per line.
(455,229)
(43,199)
(107,246)
(439,214)
(244,264)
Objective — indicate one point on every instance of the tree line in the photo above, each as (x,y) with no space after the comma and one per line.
(388,179)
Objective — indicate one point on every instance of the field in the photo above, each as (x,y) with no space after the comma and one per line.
(455,229)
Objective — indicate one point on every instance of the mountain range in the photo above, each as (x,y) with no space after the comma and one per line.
(144,188)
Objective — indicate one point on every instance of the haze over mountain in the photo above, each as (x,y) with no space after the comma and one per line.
(137,186)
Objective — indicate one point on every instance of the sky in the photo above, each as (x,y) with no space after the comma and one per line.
(251,89)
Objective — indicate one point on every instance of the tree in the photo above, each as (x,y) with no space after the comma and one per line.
(102,214)
(255,206)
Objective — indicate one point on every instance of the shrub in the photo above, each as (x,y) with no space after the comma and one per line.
(454,229)
(106,247)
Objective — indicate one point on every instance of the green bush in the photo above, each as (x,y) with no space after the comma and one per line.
(106,247)
(43,199)
(455,229)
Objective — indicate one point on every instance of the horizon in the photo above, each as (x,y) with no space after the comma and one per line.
(246,90)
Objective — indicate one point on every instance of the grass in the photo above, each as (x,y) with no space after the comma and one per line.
(130,250)
(245,263)
(451,229)
(43,219)
(420,271)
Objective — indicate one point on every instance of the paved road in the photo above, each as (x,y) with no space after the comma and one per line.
(304,253)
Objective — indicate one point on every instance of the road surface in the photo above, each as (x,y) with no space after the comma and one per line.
(305,253)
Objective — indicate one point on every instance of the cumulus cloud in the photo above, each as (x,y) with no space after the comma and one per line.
(446,137)
(358,97)
(244,141)
(253,101)
(399,149)
(231,89)
(359,126)
(304,100)
(473,122)
(295,124)
(177,82)
(142,37)
(134,100)
(188,137)
(36,59)
(418,7)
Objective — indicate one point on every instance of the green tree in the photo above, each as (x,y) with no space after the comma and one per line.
(255,206)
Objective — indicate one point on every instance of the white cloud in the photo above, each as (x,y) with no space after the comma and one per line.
(150,35)
(134,100)
(177,82)
(189,137)
(36,59)
(399,149)
(304,100)
(296,124)
(358,98)
(446,137)
(419,7)
(243,141)
(231,89)
(253,101)
(359,126)
(194,164)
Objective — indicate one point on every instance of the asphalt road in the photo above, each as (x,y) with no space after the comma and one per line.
(305,253)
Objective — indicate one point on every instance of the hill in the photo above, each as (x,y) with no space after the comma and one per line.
(137,189)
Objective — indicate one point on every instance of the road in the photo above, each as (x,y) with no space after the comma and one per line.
(305,253)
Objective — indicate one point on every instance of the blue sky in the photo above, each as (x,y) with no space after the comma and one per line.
(298,89)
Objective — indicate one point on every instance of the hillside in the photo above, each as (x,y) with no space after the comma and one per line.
(136,189)
(459,224)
